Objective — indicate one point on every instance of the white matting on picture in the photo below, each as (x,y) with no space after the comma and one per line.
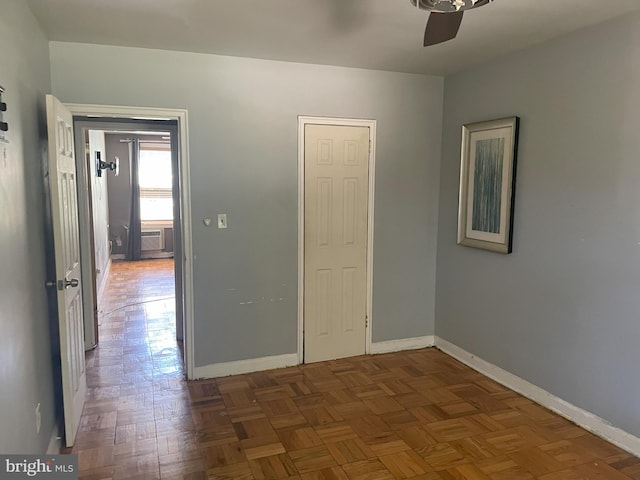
(487,184)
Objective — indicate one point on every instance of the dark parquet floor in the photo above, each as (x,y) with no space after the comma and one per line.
(411,415)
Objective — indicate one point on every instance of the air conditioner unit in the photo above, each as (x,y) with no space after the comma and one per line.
(152,240)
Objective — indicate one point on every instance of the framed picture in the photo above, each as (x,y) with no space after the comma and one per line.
(487,184)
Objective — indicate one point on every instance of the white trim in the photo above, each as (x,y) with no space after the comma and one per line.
(88,279)
(180,115)
(118,256)
(372,185)
(55,443)
(581,417)
(348,122)
(124,112)
(155,255)
(105,279)
(300,352)
(402,344)
(239,367)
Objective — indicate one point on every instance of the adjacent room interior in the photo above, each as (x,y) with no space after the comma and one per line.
(129,210)
(551,325)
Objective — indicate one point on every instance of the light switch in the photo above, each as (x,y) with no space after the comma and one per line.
(222,220)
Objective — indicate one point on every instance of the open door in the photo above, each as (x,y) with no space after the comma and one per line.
(64,209)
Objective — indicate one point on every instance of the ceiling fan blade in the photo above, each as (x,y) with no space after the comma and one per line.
(442,27)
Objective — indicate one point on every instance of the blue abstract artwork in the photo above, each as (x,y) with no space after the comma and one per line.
(487,185)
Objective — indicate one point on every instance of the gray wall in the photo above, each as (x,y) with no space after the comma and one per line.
(26,375)
(119,189)
(562,310)
(243,150)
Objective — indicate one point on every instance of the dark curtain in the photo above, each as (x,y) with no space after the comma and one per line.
(134,245)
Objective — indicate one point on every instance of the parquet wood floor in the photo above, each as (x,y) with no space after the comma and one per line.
(412,415)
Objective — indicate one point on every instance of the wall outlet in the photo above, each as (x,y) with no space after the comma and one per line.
(38,418)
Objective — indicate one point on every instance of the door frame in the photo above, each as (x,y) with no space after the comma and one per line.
(87,243)
(303,121)
(180,116)
(86,239)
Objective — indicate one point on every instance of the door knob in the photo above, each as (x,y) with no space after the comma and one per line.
(71,283)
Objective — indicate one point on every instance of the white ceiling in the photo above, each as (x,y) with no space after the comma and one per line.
(374,34)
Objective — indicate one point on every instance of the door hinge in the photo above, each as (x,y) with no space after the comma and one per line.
(369,145)
(366,321)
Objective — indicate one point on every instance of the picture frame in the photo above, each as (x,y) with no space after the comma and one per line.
(487,184)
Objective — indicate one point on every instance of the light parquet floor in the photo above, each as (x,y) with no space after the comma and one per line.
(420,415)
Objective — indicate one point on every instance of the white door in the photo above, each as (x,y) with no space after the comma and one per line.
(336,183)
(64,208)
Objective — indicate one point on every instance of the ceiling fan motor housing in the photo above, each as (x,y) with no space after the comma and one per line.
(446,6)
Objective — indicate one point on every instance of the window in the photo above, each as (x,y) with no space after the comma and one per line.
(155,181)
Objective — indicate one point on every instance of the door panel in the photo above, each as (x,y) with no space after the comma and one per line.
(64,209)
(335,239)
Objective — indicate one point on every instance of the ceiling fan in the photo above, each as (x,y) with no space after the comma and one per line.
(445,17)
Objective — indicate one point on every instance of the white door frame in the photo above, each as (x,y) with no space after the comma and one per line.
(89,304)
(303,121)
(180,116)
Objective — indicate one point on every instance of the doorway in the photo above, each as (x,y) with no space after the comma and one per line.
(336,182)
(131,214)
(159,135)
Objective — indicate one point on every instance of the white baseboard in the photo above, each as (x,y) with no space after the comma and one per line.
(55,443)
(581,417)
(402,344)
(105,279)
(144,256)
(245,366)
(288,360)
(153,255)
